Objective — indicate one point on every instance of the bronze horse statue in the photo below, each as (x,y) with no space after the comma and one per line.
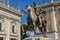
(38,17)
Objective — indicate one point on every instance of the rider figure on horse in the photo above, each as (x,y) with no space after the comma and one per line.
(41,19)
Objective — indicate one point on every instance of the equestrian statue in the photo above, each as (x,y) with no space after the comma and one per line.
(37,17)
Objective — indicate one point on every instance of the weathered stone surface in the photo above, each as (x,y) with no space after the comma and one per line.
(38,38)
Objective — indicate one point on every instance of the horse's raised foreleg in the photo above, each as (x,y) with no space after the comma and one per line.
(34,25)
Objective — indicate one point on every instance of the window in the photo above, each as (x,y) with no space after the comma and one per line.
(12,39)
(1,38)
(59,9)
(12,28)
(0,26)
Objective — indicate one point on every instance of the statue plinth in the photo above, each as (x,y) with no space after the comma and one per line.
(37,38)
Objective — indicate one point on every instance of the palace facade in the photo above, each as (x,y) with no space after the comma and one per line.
(9,23)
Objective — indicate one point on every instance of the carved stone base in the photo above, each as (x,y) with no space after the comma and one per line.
(37,38)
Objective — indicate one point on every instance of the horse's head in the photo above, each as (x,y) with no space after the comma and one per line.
(28,9)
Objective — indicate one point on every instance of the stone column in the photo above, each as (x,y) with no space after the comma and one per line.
(7,29)
(54,21)
(19,36)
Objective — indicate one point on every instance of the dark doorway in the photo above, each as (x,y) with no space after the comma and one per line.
(12,39)
(1,38)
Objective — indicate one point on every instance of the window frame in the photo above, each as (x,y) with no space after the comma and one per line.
(1,21)
(1,26)
(59,10)
(13,28)
(14,24)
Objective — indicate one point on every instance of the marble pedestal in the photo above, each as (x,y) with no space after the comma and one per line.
(37,38)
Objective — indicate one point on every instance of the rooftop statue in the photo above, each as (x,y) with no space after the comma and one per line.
(37,16)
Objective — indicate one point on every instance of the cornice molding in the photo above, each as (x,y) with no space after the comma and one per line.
(46,5)
(10,9)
